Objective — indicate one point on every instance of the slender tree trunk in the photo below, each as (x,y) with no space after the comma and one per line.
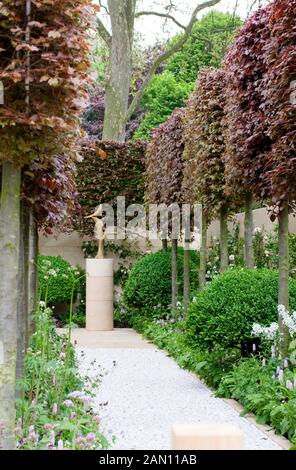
(122,13)
(186,276)
(203,252)
(249,251)
(164,245)
(283,298)
(9,252)
(22,308)
(224,259)
(32,272)
(174,275)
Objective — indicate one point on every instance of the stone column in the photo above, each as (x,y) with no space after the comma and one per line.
(99,294)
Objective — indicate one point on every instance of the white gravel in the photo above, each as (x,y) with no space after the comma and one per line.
(143,393)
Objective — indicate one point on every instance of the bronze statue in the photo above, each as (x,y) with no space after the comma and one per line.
(99,230)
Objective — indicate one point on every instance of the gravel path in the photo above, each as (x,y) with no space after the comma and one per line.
(143,393)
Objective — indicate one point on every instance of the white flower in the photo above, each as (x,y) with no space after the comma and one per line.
(288,320)
(231,257)
(269,332)
(42,303)
(52,272)
(257,230)
(46,262)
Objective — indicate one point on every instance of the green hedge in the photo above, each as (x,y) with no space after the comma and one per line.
(149,282)
(60,285)
(223,314)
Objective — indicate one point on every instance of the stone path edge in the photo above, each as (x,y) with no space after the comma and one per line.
(250,417)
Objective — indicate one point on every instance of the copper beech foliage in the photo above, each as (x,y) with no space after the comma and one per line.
(261,135)
(164,164)
(205,144)
(52,193)
(44,67)
(58,51)
(109,169)
(245,125)
(279,179)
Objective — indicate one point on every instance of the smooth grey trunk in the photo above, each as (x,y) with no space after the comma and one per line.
(122,15)
(186,276)
(224,259)
(32,271)
(203,252)
(120,44)
(283,297)
(174,275)
(249,228)
(22,308)
(9,252)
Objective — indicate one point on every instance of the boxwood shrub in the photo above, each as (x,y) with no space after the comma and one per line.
(149,282)
(222,315)
(60,285)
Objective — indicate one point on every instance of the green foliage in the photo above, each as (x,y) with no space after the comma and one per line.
(222,315)
(255,385)
(49,417)
(149,282)
(266,249)
(260,391)
(169,334)
(169,90)
(206,47)
(55,279)
(127,253)
(164,94)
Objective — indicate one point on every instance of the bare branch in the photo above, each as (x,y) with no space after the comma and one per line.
(162,15)
(104,33)
(103,7)
(167,54)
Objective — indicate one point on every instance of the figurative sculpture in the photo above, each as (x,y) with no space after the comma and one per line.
(99,229)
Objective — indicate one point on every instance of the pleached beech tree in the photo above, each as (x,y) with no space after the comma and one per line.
(264,56)
(203,156)
(278,184)
(119,39)
(44,50)
(49,196)
(244,121)
(164,174)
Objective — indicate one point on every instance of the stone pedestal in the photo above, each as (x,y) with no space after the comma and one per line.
(99,294)
(206,437)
